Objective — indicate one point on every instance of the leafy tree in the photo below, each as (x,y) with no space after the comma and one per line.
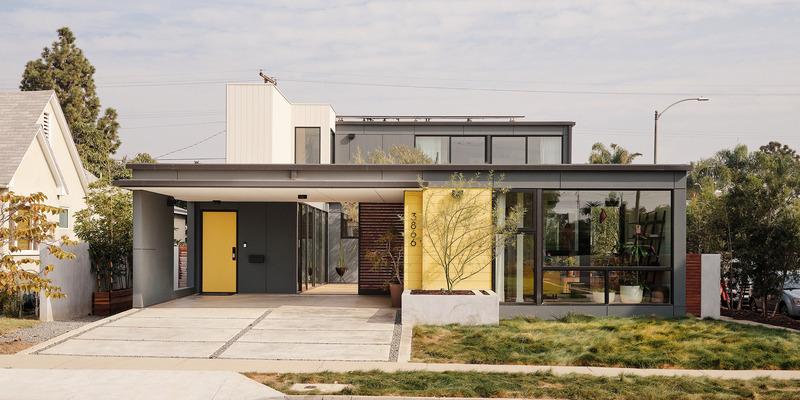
(616,155)
(745,206)
(107,225)
(24,219)
(66,70)
(397,154)
(459,234)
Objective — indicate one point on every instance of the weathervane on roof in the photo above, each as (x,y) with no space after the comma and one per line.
(268,79)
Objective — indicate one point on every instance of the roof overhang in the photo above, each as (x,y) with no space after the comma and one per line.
(373,183)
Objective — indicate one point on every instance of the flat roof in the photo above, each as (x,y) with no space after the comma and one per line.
(379,183)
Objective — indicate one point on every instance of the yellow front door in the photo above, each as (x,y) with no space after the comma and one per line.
(219,252)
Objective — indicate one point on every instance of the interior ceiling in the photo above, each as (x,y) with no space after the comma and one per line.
(327,195)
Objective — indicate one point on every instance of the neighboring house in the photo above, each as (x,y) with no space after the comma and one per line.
(269,220)
(37,154)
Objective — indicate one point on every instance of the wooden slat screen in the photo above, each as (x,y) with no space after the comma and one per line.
(374,220)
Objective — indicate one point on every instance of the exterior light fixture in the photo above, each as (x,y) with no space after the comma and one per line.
(658,115)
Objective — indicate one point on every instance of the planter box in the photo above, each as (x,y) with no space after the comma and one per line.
(423,309)
(110,303)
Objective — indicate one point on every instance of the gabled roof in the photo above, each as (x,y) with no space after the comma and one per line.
(19,114)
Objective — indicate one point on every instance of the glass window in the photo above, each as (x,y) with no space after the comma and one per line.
(518,270)
(607,228)
(631,287)
(436,147)
(63,218)
(306,146)
(573,287)
(544,150)
(508,150)
(468,150)
(349,226)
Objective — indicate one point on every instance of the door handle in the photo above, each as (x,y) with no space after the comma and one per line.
(233,253)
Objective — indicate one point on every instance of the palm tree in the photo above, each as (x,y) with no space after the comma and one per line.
(616,155)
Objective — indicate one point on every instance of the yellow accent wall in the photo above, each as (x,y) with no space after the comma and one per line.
(219,239)
(412,271)
(421,269)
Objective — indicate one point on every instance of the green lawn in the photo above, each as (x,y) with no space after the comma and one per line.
(11,325)
(537,385)
(642,342)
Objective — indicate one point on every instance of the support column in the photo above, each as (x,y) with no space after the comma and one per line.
(153,280)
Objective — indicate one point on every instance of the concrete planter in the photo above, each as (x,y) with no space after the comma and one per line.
(424,309)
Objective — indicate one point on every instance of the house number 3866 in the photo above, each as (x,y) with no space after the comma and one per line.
(413,227)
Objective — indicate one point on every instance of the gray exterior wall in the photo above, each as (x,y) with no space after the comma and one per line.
(335,242)
(269,230)
(75,279)
(369,136)
(153,276)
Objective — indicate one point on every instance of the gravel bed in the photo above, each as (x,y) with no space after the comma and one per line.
(45,331)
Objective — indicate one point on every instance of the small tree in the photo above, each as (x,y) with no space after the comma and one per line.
(458,226)
(616,155)
(389,254)
(107,225)
(24,219)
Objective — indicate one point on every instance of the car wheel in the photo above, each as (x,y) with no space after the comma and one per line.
(783,309)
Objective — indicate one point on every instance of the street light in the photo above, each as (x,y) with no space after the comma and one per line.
(658,115)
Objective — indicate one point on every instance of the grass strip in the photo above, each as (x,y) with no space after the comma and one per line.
(11,325)
(536,385)
(639,342)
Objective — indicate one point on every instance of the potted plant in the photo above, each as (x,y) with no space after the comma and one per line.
(343,256)
(630,288)
(389,255)
(599,294)
(107,225)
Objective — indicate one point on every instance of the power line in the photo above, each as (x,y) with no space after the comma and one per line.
(167,126)
(192,145)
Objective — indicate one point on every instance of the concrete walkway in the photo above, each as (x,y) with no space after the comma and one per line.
(280,332)
(195,348)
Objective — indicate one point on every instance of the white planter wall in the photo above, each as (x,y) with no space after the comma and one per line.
(422,309)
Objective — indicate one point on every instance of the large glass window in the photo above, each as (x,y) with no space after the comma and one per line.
(306,146)
(468,150)
(508,150)
(544,150)
(518,261)
(626,234)
(436,147)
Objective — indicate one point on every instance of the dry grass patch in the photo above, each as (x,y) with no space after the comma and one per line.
(536,385)
(11,325)
(641,342)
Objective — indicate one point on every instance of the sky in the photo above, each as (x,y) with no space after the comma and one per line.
(605,65)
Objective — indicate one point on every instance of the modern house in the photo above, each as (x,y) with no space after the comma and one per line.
(37,154)
(595,239)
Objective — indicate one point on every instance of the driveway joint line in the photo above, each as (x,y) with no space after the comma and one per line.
(241,333)
(109,320)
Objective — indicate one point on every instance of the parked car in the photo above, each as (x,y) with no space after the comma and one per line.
(789,303)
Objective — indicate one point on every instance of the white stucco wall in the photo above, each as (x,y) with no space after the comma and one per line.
(34,174)
(261,125)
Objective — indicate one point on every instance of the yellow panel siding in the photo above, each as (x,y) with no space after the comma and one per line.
(432,273)
(412,270)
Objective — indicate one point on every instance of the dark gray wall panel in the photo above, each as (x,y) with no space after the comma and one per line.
(389,130)
(438,130)
(553,311)
(153,275)
(489,130)
(366,143)
(252,229)
(399,140)
(621,180)
(281,248)
(548,130)
(341,146)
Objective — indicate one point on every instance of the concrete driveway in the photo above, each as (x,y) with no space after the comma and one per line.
(268,327)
